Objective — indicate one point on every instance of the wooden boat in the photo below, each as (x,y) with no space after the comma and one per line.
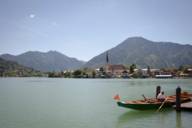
(153,103)
(142,105)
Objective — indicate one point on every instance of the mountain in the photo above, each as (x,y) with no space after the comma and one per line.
(9,68)
(49,61)
(143,53)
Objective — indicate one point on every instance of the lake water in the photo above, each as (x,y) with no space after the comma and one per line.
(85,103)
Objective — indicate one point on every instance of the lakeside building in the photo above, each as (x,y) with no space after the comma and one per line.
(116,70)
(187,73)
(163,76)
(146,73)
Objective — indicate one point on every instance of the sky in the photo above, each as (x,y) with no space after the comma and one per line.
(86,28)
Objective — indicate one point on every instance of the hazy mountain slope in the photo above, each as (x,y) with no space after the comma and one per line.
(49,61)
(144,52)
(9,68)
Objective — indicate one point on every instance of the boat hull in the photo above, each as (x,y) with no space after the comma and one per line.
(146,106)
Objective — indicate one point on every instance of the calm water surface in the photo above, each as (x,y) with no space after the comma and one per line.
(85,103)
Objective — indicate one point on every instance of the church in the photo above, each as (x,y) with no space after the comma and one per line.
(114,70)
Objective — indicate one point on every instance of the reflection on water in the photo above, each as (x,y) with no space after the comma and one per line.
(127,118)
(134,114)
(150,119)
(178,120)
(133,118)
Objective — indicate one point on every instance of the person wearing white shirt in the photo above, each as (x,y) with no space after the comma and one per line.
(161,96)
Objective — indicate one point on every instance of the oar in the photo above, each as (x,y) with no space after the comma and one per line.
(144,97)
(162,105)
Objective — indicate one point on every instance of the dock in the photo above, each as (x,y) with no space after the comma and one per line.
(186,106)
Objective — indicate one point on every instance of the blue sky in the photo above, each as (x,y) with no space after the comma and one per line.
(85,28)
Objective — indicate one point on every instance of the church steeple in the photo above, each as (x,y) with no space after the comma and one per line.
(107,58)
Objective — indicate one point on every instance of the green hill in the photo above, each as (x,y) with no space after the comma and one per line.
(9,68)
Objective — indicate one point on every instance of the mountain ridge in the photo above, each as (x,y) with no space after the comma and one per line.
(45,61)
(133,50)
(144,52)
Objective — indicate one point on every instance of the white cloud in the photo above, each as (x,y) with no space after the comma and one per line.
(32,16)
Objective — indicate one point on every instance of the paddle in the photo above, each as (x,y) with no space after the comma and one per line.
(144,97)
(162,104)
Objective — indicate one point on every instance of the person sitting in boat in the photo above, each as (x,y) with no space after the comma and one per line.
(161,96)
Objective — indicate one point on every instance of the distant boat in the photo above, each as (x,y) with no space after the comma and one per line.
(152,103)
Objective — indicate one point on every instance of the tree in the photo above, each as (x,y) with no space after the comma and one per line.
(131,68)
(93,74)
(101,69)
(149,71)
(77,73)
(67,74)
(181,68)
(51,74)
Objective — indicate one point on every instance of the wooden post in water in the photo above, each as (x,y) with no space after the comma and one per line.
(178,99)
(158,90)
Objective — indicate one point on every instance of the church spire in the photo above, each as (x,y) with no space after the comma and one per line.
(107,58)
